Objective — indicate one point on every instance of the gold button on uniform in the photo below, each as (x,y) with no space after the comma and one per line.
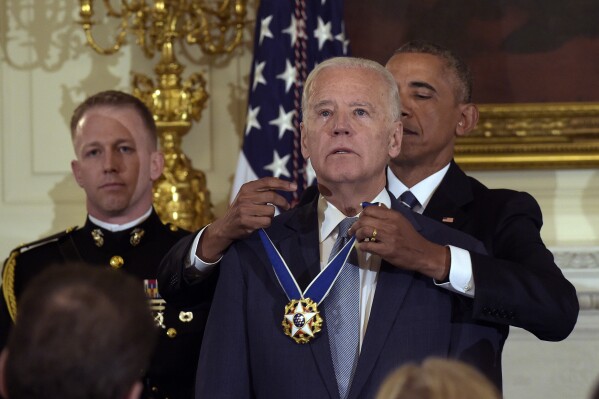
(171,333)
(116,262)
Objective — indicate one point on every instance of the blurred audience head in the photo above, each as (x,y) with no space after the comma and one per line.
(437,378)
(595,394)
(80,332)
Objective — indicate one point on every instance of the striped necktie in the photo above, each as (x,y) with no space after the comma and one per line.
(342,312)
(409,199)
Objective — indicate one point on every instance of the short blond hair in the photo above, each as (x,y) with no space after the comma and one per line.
(117,99)
(437,378)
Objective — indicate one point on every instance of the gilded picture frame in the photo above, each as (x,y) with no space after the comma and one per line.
(535,70)
(539,136)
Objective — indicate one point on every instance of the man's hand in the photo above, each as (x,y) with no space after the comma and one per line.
(397,242)
(253,208)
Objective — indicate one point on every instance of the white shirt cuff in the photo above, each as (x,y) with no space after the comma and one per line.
(460,273)
(194,260)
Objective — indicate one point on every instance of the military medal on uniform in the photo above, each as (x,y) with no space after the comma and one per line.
(157,304)
(302,320)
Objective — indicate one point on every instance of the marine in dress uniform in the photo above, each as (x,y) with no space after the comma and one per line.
(137,250)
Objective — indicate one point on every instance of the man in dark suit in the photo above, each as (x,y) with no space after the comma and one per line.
(117,160)
(351,128)
(518,282)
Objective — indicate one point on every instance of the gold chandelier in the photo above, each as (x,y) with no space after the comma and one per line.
(216,26)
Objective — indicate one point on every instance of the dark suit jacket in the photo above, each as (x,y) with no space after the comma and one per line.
(172,370)
(181,285)
(246,354)
(518,283)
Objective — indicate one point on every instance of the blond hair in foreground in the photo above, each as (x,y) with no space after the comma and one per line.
(437,379)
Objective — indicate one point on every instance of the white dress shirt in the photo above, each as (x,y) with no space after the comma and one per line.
(195,261)
(329,218)
(460,271)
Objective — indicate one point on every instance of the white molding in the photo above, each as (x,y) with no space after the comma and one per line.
(581,266)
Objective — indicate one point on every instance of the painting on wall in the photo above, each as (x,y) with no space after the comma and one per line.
(535,65)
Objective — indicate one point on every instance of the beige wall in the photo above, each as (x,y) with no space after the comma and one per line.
(45,70)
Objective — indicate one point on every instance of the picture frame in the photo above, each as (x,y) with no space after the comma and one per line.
(535,70)
(532,136)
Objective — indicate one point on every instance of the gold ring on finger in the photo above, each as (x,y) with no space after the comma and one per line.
(373,235)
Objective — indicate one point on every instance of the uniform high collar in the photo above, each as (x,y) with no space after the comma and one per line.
(132,236)
(120,227)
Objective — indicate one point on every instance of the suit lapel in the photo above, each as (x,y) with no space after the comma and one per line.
(299,246)
(451,196)
(392,287)
(322,356)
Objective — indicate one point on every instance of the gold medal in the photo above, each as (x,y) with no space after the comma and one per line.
(302,320)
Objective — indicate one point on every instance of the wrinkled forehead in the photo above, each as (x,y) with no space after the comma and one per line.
(350,84)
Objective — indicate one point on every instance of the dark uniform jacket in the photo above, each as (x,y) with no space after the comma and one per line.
(138,251)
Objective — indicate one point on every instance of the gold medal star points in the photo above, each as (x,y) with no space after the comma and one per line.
(302,320)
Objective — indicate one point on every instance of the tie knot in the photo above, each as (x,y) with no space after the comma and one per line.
(409,199)
(345,224)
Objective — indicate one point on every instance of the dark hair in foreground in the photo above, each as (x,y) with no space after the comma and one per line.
(117,99)
(595,394)
(452,61)
(81,332)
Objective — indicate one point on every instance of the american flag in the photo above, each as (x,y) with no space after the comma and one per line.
(291,37)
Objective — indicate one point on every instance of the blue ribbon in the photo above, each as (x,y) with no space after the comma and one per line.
(319,287)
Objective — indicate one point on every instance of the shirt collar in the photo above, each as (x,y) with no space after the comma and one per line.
(120,227)
(423,190)
(329,216)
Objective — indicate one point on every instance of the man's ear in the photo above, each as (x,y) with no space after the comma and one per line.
(156,165)
(3,358)
(304,133)
(76,169)
(395,139)
(468,119)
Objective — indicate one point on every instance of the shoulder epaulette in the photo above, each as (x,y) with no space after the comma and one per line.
(45,240)
(8,272)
